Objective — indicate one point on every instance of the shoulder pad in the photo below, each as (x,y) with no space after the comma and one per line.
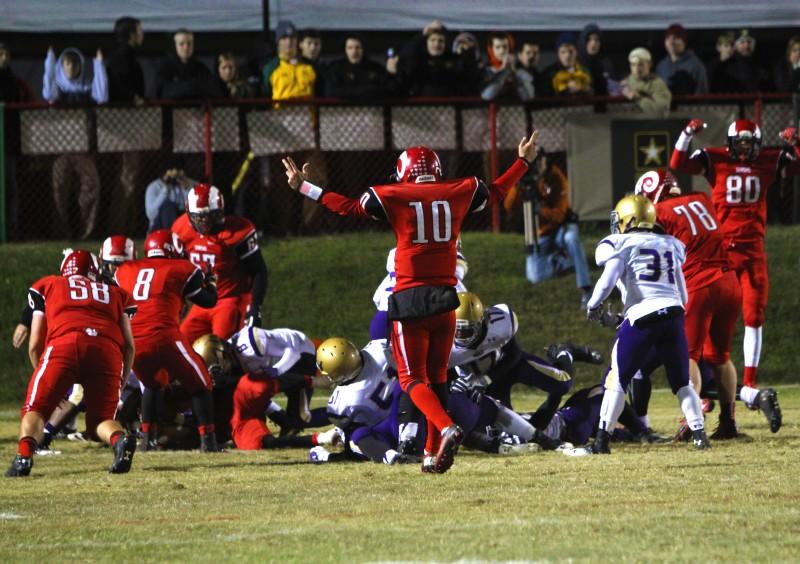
(608,248)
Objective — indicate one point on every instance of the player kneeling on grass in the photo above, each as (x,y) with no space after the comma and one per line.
(646,265)
(80,333)
(259,364)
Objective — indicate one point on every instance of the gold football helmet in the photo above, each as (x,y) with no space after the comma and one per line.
(469,319)
(633,212)
(339,360)
(216,353)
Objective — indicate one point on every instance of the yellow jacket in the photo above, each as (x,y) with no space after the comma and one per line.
(288,78)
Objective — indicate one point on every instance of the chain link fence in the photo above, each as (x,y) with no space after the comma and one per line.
(81,173)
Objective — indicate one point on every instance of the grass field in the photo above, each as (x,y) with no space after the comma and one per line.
(737,502)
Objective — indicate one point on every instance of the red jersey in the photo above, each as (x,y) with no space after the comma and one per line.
(78,304)
(426,218)
(691,219)
(739,188)
(223,250)
(158,286)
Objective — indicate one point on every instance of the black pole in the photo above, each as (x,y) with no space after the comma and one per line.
(265,20)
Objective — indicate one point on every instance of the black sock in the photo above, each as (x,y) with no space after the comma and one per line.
(639,392)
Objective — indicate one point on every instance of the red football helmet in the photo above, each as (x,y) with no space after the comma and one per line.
(744,140)
(163,243)
(657,185)
(117,249)
(418,164)
(206,207)
(80,262)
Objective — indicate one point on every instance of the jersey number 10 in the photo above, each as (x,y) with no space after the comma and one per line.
(440,221)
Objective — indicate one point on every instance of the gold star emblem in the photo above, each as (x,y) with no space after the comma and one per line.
(652,153)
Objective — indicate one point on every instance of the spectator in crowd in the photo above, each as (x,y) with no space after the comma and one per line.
(724,52)
(787,72)
(181,76)
(230,84)
(528,55)
(567,77)
(681,69)
(66,80)
(12,88)
(642,86)
(590,44)
(125,75)
(501,78)
(430,70)
(165,197)
(741,73)
(355,77)
(310,44)
(465,43)
(559,247)
(75,174)
(287,75)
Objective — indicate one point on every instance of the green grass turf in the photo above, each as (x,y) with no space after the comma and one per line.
(324,285)
(737,502)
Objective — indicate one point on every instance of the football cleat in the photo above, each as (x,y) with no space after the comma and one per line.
(429,465)
(700,440)
(208,443)
(683,433)
(47,451)
(20,466)
(580,353)
(407,447)
(451,439)
(600,444)
(726,430)
(123,455)
(650,437)
(767,400)
(318,455)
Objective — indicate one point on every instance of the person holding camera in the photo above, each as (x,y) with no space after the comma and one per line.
(558,247)
(165,197)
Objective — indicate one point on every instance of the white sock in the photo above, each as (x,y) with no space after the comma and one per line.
(408,431)
(752,345)
(610,409)
(645,420)
(691,407)
(748,394)
(513,423)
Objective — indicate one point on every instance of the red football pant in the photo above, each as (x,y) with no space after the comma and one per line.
(421,348)
(95,362)
(749,261)
(711,315)
(250,400)
(172,353)
(223,320)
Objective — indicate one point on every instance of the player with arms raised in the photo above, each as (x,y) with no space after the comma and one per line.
(740,175)
(80,333)
(228,245)
(426,213)
(645,263)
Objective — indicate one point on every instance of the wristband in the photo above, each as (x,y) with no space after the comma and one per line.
(310,190)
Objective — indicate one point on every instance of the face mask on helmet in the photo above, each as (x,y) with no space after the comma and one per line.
(339,360)
(744,140)
(218,358)
(205,207)
(469,319)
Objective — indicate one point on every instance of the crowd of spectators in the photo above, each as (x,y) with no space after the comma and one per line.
(435,62)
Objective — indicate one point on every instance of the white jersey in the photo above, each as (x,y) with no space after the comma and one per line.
(381,296)
(476,361)
(273,351)
(368,399)
(649,271)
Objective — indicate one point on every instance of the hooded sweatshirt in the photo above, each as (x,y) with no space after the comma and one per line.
(58,88)
(599,66)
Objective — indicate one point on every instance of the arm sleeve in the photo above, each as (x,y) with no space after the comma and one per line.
(35,301)
(497,190)
(26,318)
(49,88)
(611,273)
(697,163)
(99,82)
(368,205)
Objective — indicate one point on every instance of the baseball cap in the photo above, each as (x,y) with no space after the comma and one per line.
(285,29)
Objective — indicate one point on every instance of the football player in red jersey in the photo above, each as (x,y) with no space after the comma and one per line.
(715,297)
(159,284)
(426,213)
(229,246)
(87,339)
(740,175)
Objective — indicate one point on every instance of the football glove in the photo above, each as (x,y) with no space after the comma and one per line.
(790,136)
(594,313)
(610,318)
(695,125)
(209,278)
(253,317)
